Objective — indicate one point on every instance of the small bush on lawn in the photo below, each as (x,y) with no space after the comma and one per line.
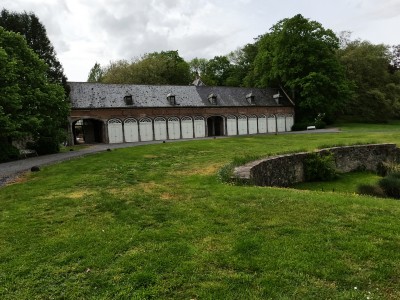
(391,185)
(371,190)
(320,168)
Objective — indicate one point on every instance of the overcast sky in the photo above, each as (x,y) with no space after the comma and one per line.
(86,31)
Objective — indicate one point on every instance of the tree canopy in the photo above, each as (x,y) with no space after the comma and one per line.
(28,25)
(300,55)
(165,67)
(30,105)
(375,79)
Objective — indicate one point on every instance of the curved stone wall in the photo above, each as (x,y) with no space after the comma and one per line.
(285,170)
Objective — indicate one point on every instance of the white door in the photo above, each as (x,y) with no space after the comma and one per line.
(262,124)
(281,123)
(242,125)
(187,127)
(160,129)
(174,132)
(146,129)
(252,124)
(115,131)
(289,122)
(231,125)
(199,127)
(271,124)
(131,130)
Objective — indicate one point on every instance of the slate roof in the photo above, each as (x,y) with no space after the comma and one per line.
(99,95)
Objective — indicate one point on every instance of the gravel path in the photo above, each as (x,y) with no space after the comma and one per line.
(10,170)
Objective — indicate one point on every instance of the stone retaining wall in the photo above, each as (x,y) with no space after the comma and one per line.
(285,170)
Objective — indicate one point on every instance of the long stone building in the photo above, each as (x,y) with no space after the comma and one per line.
(119,113)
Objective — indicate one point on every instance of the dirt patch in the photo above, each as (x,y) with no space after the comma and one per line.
(201,170)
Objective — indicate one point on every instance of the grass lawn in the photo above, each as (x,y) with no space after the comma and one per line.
(156,222)
(345,183)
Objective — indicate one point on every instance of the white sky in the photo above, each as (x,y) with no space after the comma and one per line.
(86,31)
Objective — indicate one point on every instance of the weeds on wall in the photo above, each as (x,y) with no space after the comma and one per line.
(320,167)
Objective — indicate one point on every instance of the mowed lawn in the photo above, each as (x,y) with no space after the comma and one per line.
(156,222)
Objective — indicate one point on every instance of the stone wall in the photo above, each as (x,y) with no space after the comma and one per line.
(285,170)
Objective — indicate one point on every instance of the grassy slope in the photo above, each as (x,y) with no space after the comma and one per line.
(155,222)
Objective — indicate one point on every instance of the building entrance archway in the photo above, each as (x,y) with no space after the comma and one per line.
(215,126)
(88,131)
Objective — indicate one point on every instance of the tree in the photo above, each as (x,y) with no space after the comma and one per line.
(165,67)
(30,105)
(299,54)
(217,71)
(96,73)
(28,25)
(377,91)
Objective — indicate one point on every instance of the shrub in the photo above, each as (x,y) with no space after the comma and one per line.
(46,145)
(8,152)
(298,126)
(320,167)
(391,185)
(371,190)
(385,168)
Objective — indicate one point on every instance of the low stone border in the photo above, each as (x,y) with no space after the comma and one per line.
(285,170)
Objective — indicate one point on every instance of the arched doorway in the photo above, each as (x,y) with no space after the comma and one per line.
(215,126)
(88,131)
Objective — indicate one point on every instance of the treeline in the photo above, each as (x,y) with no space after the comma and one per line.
(328,76)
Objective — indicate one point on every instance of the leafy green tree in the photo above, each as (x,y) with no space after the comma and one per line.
(96,73)
(217,71)
(197,67)
(165,67)
(377,91)
(300,55)
(35,34)
(30,106)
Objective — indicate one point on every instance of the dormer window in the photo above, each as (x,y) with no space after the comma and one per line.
(250,98)
(171,99)
(277,97)
(128,100)
(212,98)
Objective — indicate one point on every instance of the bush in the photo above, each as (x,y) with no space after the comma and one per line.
(386,168)
(45,145)
(371,190)
(8,152)
(391,185)
(320,167)
(299,126)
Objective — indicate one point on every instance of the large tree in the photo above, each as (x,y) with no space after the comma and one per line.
(30,105)
(373,72)
(300,55)
(28,25)
(165,67)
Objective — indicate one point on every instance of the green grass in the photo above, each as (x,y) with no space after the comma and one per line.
(345,183)
(156,222)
